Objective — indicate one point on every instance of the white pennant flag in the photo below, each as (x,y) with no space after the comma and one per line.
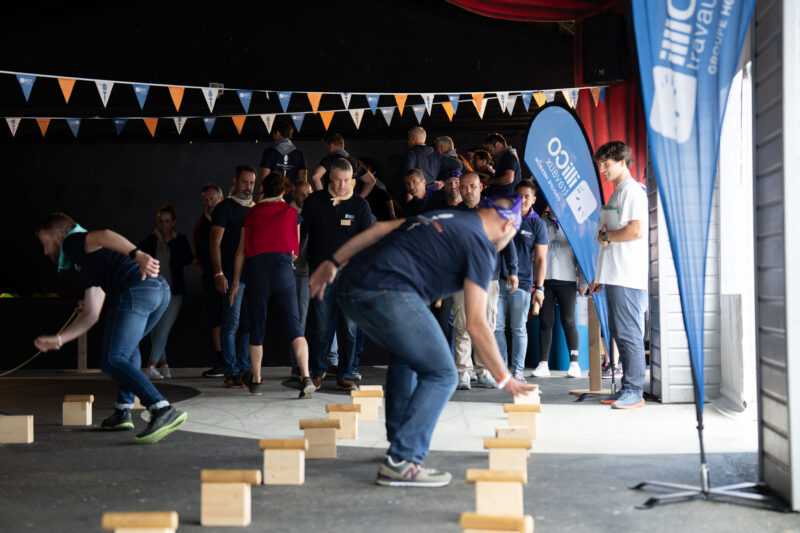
(388,113)
(13,124)
(428,99)
(419,112)
(572,97)
(482,110)
(549,96)
(357,115)
(104,88)
(179,123)
(346,99)
(512,100)
(502,99)
(210,94)
(268,120)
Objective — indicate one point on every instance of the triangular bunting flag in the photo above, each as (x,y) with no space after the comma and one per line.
(602,94)
(211,94)
(540,98)
(177,96)
(151,125)
(388,113)
(357,115)
(43,124)
(419,112)
(74,124)
(180,122)
(571,96)
(141,90)
(244,98)
(372,100)
(297,118)
(13,124)
(104,88)
(575,94)
(209,122)
(428,99)
(326,116)
(238,121)
(482,110)
(595,94)
(502,99)
(526,99)
(401,102)
(512,100)
(549,96)
(119,123)
(313,99)
(346,99)
(454,99)
(268,120)
(26,82)
(283,98)
(66,85)
(448,110)
(477,99)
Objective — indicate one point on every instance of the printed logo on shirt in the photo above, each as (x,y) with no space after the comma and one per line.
(526,233)
(430,221)
(348,216)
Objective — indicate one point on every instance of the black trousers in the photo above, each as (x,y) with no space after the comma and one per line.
(565,296)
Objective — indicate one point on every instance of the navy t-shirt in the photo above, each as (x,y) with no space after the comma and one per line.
(429,254)
(508,161)
(111,271)
(229,214)
(288,165)
(358,169)
(532,231)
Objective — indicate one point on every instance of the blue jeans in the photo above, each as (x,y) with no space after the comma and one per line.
(235,349)
(422,375)
(131,315)
(626,309)
(160,333)
(301,284)
(515,306)
(325,319)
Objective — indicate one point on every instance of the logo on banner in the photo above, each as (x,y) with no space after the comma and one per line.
(565,181)
(674,99)
(582,202)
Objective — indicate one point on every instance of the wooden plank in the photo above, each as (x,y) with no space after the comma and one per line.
(490,443)
(366,394)
(343,408)
(154,519)
(515,524)
(481,474)
(522,408)
(283,444)
(252,477)
(319,423)
(79,398)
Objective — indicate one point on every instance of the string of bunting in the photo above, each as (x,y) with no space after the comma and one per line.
(506,100)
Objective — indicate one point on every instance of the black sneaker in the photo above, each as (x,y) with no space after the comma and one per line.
(234,381)
(119,420)
(307,388)
(214,372)
(247,379)
(162,422)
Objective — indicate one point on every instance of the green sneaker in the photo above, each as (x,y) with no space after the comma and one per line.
(119,420)
(162,422)
(408,474)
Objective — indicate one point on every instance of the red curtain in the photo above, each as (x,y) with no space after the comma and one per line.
(533,10)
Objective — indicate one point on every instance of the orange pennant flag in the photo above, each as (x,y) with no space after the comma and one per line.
(66,87)
(238,121)
(539,98)
(177,96)
(477,99)
(401,102)
(595,94)
(448,109)
(43,124)
(326,116)
(313,99)
(151,125)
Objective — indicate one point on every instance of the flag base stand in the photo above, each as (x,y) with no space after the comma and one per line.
(595,372)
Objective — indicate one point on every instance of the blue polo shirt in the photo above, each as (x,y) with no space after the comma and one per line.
(430,254)
(288,165)
(229,214)
(508,160)
(432,201)
(111,271)
(532,231)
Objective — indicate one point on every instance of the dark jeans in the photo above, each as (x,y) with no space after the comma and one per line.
(234,339)
(131,315)
(325,319)
(565,296)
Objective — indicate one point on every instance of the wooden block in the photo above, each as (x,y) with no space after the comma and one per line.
(285,466)
(322,441)
(144,530)
(151,521)
(225,504)
(283,444)
(16,429)
(475,475)
(531,397)
(479,523)
(530,420)
(76,413)
(367,393)
(79,398)
(369,407)
(252,477)
(499,498)
(522,408)
(522,443)
(509,459)
(513,432)
(347,414)
(373,387)
(319,423)
(137,403)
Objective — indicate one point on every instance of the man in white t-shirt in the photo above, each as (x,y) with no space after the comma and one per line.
(622,267)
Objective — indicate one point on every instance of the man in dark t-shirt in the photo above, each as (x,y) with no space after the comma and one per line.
(334,145)
(508,171)
(435,167)
(421,198)
(393,272)
(112,268)
(226,231)
(283,157)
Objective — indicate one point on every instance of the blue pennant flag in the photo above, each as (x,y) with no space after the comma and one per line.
(526,99)
(209,122)
(244,98)
(602,94)
(560,159)
(284,98)
(119,123)
(454,99)
(372,100)
(141,90)
(297,118)
(419,112)
(26,82)
(687,59)
(74,124)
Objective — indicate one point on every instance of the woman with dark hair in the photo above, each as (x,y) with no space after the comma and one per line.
(482,163)
(270,243)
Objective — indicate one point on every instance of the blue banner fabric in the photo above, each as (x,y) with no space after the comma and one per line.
(119,123)
(372,100)
(209,122)
(26,83)
(74,124)
(560,160)
(454,98)
(688,53)
(244,98)
(283,98)
(526,98)
(141,90)
(297,118)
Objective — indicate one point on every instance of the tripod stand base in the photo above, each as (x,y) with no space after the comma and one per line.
(734,492)
(582,394)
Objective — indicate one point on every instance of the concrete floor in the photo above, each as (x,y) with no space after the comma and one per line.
(582,463)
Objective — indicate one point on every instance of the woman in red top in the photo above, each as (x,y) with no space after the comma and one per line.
(270,242)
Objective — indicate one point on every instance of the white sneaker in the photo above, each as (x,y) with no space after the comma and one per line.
(165,373)
(541,371)
(574,370)
(519,375)
(152,373)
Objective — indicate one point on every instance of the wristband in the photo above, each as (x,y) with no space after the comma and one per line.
(334,261)
(503,382)
(132,253)
(218,274)
(541,289)
(59,342)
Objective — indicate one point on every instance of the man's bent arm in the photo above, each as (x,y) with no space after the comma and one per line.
(93,299)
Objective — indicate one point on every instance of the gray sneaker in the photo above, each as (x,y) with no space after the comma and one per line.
(463,382)
(486,381)
(519,375)
(408,474)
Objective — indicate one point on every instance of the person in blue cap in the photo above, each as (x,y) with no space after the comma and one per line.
(393,271)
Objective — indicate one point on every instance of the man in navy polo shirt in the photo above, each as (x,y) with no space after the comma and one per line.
(283,156)
(110,265)
(420,197)
(507,172)
(434,166)
(334,145)
(331,217)
(396,269)
(513,306)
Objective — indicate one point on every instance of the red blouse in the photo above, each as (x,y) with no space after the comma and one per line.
(270,227)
